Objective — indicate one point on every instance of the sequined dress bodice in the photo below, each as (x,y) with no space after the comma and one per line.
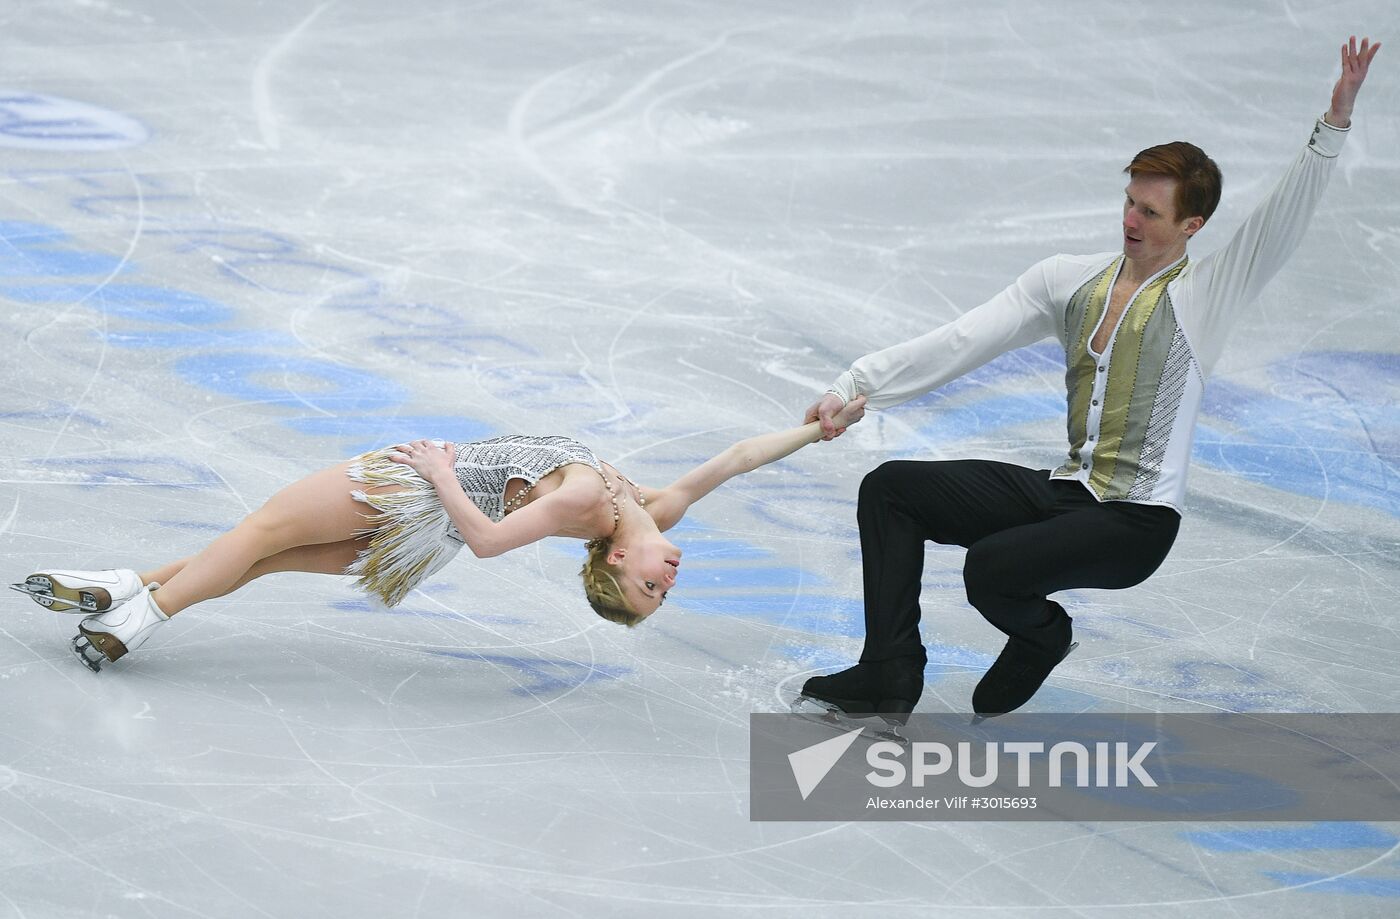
(485,467)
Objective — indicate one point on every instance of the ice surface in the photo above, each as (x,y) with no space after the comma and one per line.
(242,241)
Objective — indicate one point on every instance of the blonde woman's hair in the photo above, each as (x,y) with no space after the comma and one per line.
(601,586)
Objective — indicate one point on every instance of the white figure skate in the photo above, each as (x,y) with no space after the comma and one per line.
(112,634)
(81,591)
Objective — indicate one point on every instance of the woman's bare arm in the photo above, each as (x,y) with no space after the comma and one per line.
(544,516)
(671,503)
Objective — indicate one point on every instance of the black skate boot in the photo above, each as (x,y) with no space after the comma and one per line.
(889,689)
(1019,671)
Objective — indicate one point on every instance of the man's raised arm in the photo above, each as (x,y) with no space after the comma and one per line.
(1355,63)
(1235,274)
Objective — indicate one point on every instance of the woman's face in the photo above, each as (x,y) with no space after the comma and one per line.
(649,567)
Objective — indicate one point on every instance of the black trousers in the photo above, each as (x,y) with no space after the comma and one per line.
(1026,535)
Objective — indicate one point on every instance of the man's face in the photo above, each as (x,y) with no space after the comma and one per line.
(1151,231)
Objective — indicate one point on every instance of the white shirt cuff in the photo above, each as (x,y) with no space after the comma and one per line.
(845,387)
(1327,140)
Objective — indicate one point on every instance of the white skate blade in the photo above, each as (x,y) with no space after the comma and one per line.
(824,713)
(40,590)
(49,601)
(80,646)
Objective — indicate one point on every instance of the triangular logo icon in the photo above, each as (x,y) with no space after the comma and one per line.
(811,764)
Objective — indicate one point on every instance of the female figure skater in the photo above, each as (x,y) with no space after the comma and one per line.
(395,516)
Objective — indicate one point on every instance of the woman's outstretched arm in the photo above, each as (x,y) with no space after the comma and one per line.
(671,503)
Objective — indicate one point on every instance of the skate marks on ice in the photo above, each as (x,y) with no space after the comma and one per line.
(660,233)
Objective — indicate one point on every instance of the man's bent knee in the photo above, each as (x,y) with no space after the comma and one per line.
(989,574)
(890,478)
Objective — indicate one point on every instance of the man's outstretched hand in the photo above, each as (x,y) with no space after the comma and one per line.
(835,417)
(1355,62)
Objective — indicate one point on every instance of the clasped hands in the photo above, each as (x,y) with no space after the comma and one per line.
(834,415)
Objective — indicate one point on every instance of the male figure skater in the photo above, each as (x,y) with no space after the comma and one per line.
(1141,330)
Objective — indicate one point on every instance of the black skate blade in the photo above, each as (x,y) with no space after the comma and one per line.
(978,719)
(824,713)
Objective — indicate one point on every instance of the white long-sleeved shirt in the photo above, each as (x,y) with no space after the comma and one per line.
(1132,409)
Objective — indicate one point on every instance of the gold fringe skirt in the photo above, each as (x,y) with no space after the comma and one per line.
(410,535)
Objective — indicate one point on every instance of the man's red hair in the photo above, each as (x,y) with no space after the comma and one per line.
(1197,176)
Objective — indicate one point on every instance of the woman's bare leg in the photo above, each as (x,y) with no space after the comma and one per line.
(326,558)
(164,573)
(314,511)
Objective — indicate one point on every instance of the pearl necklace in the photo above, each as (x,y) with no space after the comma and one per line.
(518,501)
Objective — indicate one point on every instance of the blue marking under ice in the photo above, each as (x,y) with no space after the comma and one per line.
(707,549)
(547,676)
(65,413)
(26,251)
(772,577)
(941,655)
(1044,358)
(1366,887)
(705,542)
(194,525)
(131,301)
(199,339)
(374,431)
(262,378)
(783,595)
(825,615)
(1335,436)
(365,606)
(994,414)
(1313,836)
(106,470)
